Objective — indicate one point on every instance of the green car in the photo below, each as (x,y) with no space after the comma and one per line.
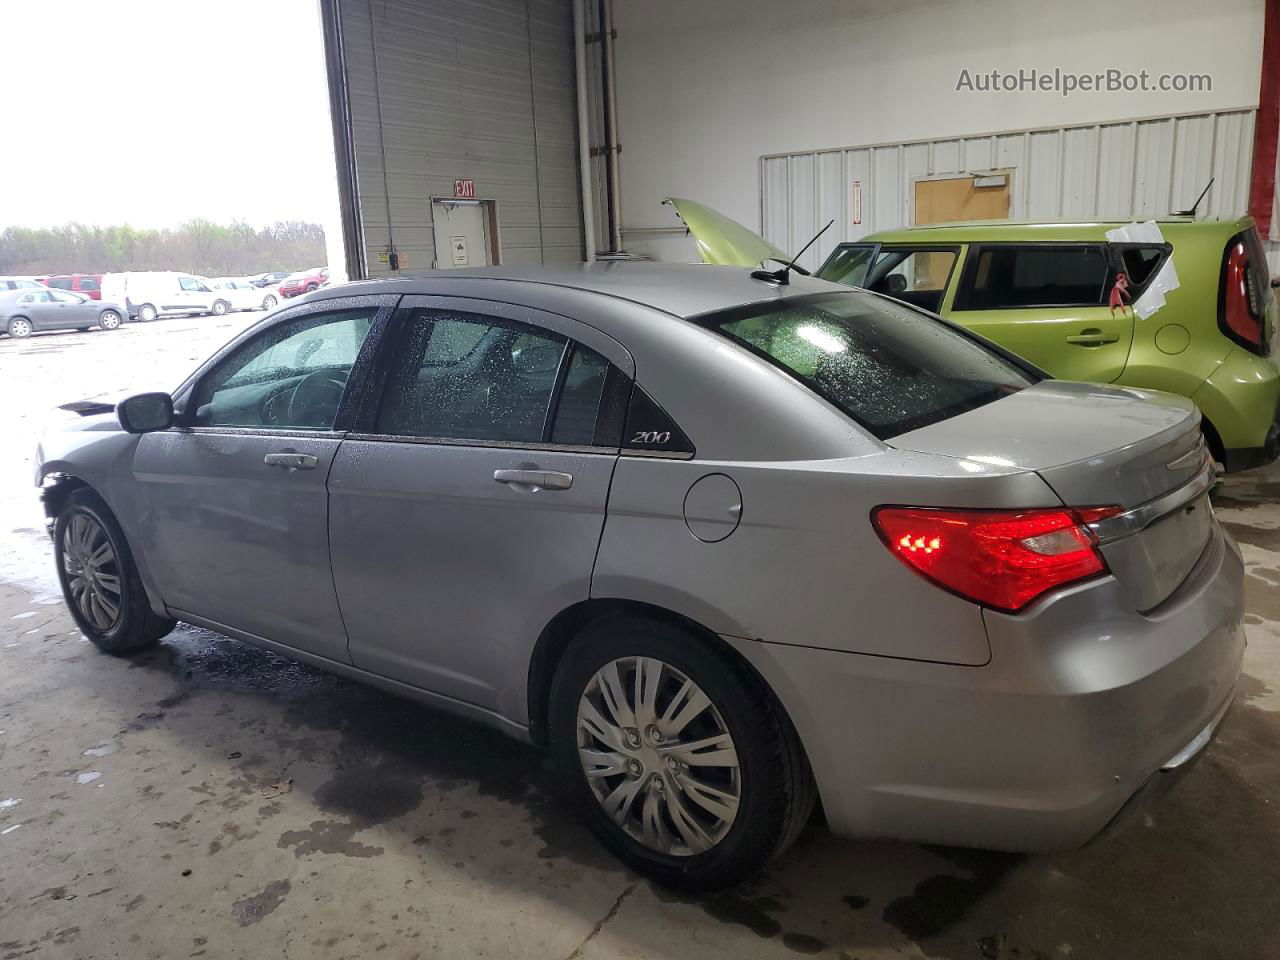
(1047,291)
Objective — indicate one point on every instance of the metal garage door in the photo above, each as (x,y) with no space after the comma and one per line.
(447,90)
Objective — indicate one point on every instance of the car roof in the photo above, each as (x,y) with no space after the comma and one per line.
(680,289)
(1030,230)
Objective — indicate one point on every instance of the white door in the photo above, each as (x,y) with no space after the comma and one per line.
(461,234)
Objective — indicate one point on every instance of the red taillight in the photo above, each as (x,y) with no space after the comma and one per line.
(1242,310)
(999,558)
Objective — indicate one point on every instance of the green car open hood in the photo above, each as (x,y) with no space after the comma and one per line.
(724,241)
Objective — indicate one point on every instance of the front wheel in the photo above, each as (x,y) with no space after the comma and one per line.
(684,764)
(100,581)
(109,320)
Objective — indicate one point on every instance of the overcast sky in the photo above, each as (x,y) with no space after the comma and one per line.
(153,111)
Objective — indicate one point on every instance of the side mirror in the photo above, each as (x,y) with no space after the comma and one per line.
(146,412)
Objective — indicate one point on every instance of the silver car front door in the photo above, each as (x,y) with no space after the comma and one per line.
(235,506)
(467,512)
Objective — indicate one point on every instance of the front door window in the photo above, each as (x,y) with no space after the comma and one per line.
(291,377)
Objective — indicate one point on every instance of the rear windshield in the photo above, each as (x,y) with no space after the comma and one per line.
(888,367)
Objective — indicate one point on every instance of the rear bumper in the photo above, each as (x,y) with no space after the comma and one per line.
(1246,458)
(1082,702)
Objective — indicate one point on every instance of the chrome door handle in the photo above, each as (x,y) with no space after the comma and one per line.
(1093,339)
(537,479)
(290,461)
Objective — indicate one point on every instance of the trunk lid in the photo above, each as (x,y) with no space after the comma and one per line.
(723,241)
(1100,446)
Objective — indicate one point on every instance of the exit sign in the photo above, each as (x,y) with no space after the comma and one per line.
(464,189)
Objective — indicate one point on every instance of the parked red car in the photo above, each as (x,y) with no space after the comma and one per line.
(87,284)
(304,282)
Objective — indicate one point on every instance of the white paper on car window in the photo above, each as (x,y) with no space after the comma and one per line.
(1165,280)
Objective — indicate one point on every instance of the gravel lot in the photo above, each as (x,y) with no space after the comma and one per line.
(210,799)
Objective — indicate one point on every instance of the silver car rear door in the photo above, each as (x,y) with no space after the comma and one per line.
(468,511)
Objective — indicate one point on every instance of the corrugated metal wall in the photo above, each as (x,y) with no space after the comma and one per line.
(1124,171)
(466,89)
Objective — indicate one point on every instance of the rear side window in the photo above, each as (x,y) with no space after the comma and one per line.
(580,396)
(61,283)
(888,367)
(472,377)
(483,379)
(1034,275)
(88,283)
(1140,265)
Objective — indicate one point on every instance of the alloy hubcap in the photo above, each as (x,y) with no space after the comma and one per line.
(658,756)
(21,328)
(93,574)
(110,321)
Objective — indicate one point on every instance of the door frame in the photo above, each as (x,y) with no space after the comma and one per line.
(490,207)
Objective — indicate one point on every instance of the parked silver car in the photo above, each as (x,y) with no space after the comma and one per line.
(722,544)
(24,311)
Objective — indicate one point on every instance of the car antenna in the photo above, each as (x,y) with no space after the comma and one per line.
(783,277)
(1195,206)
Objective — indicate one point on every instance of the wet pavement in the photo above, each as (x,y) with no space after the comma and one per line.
(209,799)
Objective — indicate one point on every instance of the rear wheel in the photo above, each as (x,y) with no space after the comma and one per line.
(683,763)
(109,320)
(268,302)
(310,287)
(146,313)
(220,307)
(100,581)
(19,328)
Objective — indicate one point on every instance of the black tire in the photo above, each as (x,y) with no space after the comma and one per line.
(311,287)
(777,791)
(136,627)
(147,312)
(19,328)
(220,307)
(269,302)
(109,320)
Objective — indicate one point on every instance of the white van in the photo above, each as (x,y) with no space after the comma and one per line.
(151,294)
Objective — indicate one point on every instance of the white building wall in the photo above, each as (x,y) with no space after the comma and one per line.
(706,89)
(1123,171)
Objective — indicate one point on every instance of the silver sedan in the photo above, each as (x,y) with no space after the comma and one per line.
(726,546)
(23,311)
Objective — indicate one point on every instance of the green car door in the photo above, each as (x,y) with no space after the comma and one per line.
(1046,302)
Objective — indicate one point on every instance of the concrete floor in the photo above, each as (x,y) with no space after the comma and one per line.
(212,800)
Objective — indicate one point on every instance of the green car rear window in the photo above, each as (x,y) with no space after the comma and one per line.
(888,367)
